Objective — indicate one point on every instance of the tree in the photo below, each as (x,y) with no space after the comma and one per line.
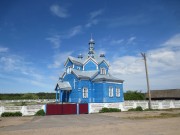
(30,96)
(134,95)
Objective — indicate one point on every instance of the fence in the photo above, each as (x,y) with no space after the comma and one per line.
(124,106)
(25,110)
(95,107)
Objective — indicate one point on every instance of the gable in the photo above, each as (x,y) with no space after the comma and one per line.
(103,64)
(90,65)
(68,63)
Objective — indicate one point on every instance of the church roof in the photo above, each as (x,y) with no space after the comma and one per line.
(63,85)
(107,77)
(96,77)
(84,74)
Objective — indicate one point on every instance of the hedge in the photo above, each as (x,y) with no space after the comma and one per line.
(103,110)
(138,108)
(11,114)
(40,113)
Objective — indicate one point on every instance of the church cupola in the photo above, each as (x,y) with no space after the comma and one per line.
(91,47)
(80,56)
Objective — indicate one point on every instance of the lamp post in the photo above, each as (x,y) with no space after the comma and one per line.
(147,79)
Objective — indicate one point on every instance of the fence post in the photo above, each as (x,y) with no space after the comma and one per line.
(77,108)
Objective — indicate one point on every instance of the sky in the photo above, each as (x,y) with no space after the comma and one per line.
(36,37)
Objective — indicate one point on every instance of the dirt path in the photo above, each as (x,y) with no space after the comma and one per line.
(94,124)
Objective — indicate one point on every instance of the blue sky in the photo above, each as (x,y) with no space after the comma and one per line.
(36,37)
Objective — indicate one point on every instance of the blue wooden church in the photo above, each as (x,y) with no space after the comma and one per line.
(88,80)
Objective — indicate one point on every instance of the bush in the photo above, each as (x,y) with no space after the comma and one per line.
(40,113)
(104,110)
(11,114)
(138,108)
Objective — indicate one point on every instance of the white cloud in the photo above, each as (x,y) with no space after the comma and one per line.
(3,49)
(114,42)
(163,56)
(173,41)
(127,20)
(93,18)
(127,65)
(59,11)
(91,22)
(131,40)
(96,13)
(16,69)
(74,31)
(59,60)
(55,40)
(163,66)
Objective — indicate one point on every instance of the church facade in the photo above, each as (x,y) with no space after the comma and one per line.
(88,80)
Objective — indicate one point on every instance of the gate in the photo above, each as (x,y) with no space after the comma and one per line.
(60,109)
(83,108)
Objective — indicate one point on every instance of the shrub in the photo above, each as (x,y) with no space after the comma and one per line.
(40,113)
(11,114)
(104,110)
(138,108)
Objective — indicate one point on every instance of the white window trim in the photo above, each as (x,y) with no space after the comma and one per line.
(111,91)
(118,94)
(85,93)
(68,70)
(102,71)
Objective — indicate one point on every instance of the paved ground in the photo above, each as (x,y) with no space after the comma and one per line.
(91,124)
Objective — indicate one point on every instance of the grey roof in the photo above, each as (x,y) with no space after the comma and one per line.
(80,61)
(64,85)
(85,74)
(107,77)
(170,93)
(77,61)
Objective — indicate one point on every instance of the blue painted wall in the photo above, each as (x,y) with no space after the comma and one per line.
(90,66)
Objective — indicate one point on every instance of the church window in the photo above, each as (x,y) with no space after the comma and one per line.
(103,71)
(69,70)
(117,92)
(85,92)
(110,91)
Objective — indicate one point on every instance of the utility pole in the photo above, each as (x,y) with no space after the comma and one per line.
(147,79)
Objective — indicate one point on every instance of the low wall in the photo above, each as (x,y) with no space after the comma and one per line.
(28,100)
(25,110)
(124,106)
(95,107)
